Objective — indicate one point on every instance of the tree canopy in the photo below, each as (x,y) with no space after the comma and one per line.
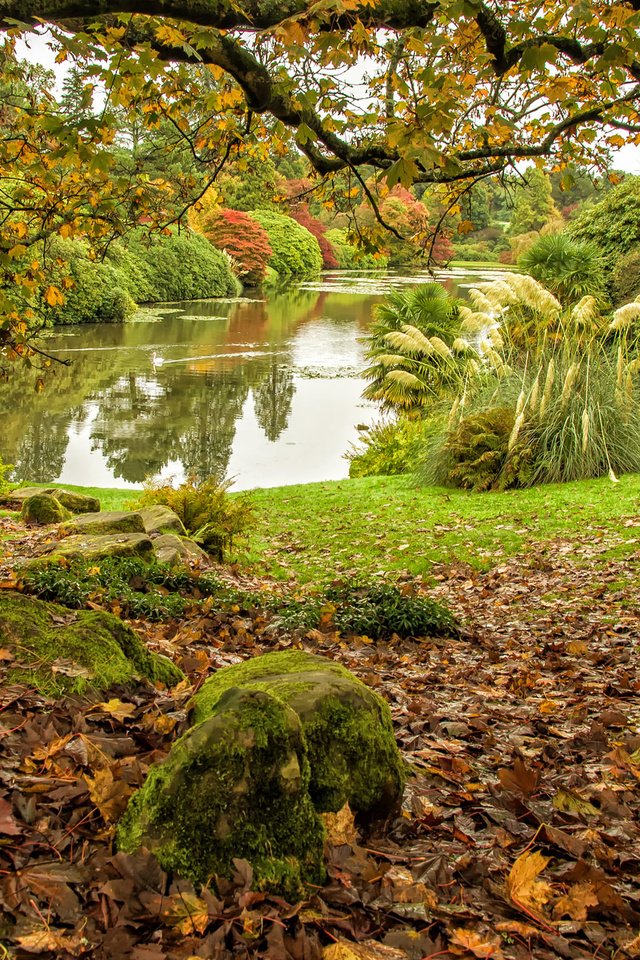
(374,93)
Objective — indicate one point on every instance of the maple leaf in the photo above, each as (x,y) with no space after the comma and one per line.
(523,887)
(576,902)
(340,827)
(468,941)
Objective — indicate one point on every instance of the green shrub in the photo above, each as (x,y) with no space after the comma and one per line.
(98,294)
(183,266)
(625,279)
(387,449)
(351,257)
(375,610)
(296,253)
(569,268)
(207,511)
(416,350)
(613,224)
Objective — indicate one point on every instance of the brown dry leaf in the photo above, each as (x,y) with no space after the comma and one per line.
(403,888)
(524,930)
(519,778)
(116,709)
(576,902)
(632,947)
(367,950)
(523,887)
(341,827)
(110,796)
(49,941)
(467,941)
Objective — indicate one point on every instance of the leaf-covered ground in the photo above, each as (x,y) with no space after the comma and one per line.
(520,831)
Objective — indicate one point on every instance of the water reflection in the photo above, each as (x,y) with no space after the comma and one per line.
(265,390)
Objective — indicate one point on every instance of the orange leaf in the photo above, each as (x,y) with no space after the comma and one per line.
(523,887)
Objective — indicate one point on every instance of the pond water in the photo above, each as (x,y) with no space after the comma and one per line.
(264,391)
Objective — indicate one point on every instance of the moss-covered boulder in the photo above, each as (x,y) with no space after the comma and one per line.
(172,549)
(57,649)
(161,519)
(42,508)
(352,750)
(114,521)
(234,786)
(75,502)
(94,548)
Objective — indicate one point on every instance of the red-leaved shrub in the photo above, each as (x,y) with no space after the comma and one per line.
(242,238)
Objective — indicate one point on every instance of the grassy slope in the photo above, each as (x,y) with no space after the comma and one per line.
(387,524)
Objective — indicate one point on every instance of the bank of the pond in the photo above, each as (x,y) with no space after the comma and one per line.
(385,525)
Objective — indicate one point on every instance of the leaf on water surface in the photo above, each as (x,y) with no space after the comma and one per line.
(523,887)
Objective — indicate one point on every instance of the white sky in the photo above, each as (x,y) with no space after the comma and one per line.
(37,51)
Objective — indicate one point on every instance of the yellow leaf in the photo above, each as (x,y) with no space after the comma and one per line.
(523,887)
(340,827)
(54,297)
(570,802)
(467,941)
(115,708)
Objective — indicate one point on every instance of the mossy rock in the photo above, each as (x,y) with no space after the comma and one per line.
(43,509)
(75,502)
(352,750)
(161,519)
(114,521)
(60,650)
(94,548)
(235,786)
(172,549)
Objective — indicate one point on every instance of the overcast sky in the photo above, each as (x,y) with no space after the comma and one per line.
(37,51)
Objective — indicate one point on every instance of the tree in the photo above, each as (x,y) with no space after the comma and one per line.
(458,90)
(244,239)
(533,205)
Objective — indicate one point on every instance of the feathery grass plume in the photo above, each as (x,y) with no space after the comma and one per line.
(585,314)
(633,367)
(460,345)
(569,383)
(474,321)
(532,294)
(400,340)
(548,386)
(440,347)
(629,386)
(624,316)
(585,429)
(520,403)
(453,413)
(535,394)
(612,476)
(513,436)
(481,302)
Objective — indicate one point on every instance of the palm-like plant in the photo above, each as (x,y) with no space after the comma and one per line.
(570,269)
(416,349)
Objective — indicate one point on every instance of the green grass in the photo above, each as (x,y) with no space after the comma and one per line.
(378,525)
(385,525)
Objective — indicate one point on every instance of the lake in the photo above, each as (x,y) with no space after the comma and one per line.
(261,389)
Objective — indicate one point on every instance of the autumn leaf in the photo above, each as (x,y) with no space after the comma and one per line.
(116,709)
(523,887)
(519,778)
(468,941)
(187,913)
(54,296)
(367,950)
(571,802)
(576,902)
(340,827)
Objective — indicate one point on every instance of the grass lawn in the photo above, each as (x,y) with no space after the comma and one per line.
(385,525)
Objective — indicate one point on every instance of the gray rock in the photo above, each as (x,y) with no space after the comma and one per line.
(172,549)
(94,548)
(161,519)
(117,521)
(75,502)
